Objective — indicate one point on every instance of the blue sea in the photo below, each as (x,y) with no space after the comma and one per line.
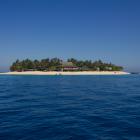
(70,107)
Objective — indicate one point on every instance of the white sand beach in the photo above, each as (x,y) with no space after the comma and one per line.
(67,73)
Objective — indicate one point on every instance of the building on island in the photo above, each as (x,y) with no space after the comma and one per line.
(69,66)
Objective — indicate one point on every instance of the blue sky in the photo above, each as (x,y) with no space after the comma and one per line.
(84,29)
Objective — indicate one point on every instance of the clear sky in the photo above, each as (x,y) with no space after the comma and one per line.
(84,29)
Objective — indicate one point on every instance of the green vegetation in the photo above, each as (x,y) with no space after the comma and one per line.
(56,64)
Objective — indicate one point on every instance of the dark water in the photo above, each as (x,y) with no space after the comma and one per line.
(70,107)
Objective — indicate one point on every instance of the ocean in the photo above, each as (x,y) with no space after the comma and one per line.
(70,107)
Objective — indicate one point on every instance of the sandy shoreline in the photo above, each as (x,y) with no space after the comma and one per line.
(67,73)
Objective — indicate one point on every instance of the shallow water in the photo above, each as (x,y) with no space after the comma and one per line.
(70,107)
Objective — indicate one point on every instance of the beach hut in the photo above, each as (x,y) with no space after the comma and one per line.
(69,66)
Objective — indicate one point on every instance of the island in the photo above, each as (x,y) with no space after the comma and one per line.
(56,66)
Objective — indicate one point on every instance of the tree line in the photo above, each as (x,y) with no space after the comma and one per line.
(56,64)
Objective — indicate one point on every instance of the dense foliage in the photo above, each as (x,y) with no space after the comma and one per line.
(56,64)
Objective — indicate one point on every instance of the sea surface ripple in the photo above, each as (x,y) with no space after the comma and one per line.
(70,107)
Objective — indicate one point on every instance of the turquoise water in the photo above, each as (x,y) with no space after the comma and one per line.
(70,107)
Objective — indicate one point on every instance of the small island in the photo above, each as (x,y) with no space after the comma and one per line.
(56,66)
